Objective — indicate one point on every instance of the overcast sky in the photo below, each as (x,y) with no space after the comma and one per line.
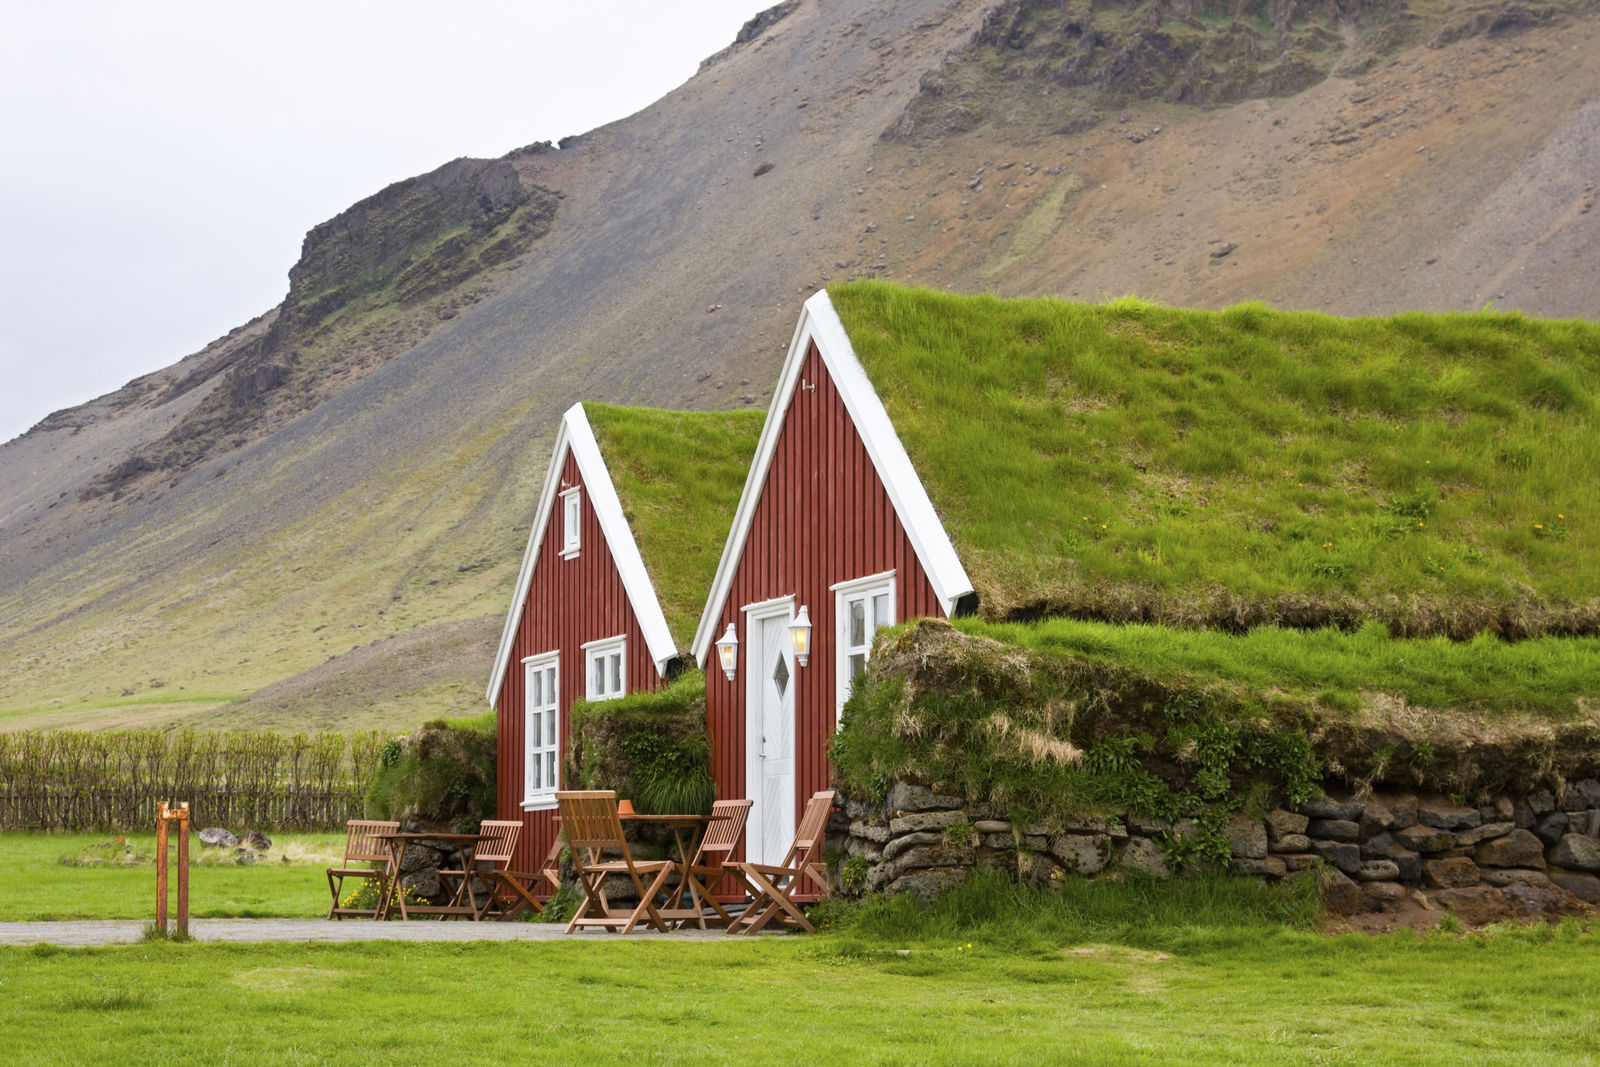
(165,158)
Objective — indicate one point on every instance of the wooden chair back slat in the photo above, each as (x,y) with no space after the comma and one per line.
(502,841)
(810,838)
(723,835)
(362,845)
(590,821)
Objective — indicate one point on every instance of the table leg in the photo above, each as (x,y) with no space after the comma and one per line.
(392,889)
(686,879)
(468,855)
(386,880)
(693,883)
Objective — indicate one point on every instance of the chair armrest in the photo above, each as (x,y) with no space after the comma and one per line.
(619,867)
(764,868)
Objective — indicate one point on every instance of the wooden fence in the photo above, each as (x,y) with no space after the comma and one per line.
(112,779)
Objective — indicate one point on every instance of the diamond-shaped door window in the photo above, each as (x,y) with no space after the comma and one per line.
(780,675)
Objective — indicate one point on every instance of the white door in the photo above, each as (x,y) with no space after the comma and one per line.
(773,791)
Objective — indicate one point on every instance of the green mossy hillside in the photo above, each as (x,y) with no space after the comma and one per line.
(1129,462)
(1078,719)
(678,475)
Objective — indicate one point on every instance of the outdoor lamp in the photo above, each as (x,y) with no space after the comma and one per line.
(800,634)
(728,651)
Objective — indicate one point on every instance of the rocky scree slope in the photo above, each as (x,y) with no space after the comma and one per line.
(1058,67)
(363,459)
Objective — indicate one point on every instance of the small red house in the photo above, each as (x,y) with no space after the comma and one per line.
(631,495)
(834,528)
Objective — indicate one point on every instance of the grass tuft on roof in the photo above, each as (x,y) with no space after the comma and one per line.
(678,475)
(1552,679)
(1130,462)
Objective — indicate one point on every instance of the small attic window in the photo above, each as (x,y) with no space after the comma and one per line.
(571,513)
(606,672)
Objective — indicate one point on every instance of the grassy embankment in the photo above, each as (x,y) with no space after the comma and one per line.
(1139,463)
(1202,971)
(100,876)
(1064,717)
(1554,679)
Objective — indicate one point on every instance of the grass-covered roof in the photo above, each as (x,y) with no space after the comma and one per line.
(678,475)
(1126,461)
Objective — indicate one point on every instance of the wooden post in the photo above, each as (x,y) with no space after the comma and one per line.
(183,868)
(164,815)
(161,868)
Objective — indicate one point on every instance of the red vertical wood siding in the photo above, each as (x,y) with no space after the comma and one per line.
(570,603)
(822,517)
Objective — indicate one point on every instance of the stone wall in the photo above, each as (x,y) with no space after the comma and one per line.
(1517,857)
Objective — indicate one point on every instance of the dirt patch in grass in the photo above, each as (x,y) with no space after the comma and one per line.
(286,979)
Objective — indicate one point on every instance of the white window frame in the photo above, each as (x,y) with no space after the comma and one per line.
(613,653)
(843,593)
(547,666)
(571,521)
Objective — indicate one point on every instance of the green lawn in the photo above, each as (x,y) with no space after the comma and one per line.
(101,883)
(1203,970)
(1212,996)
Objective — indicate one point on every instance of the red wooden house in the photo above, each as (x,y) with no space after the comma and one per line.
(631,496)
(924,451)
(834,529)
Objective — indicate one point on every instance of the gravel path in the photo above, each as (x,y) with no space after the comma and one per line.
(85,933)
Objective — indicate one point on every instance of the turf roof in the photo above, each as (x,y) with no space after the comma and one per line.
(1133,462)
(678,475)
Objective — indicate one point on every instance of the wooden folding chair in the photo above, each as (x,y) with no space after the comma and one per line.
(590,823)
(500,841)
(519,886)
(361,845)
(774,885)
(711,858)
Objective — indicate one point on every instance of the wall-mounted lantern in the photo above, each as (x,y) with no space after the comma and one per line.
(800,634)
(728,651)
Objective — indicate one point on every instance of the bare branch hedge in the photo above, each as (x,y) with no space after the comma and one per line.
(112,779)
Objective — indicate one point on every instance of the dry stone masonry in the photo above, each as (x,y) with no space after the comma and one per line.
(1517,857)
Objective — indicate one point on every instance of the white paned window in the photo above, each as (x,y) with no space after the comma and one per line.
(571,519)
(860,607)
(606,668)
(542,700)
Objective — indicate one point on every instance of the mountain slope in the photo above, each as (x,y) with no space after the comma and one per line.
(380,479)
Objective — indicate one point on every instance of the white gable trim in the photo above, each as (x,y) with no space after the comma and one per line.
(577,437)
(820,323)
